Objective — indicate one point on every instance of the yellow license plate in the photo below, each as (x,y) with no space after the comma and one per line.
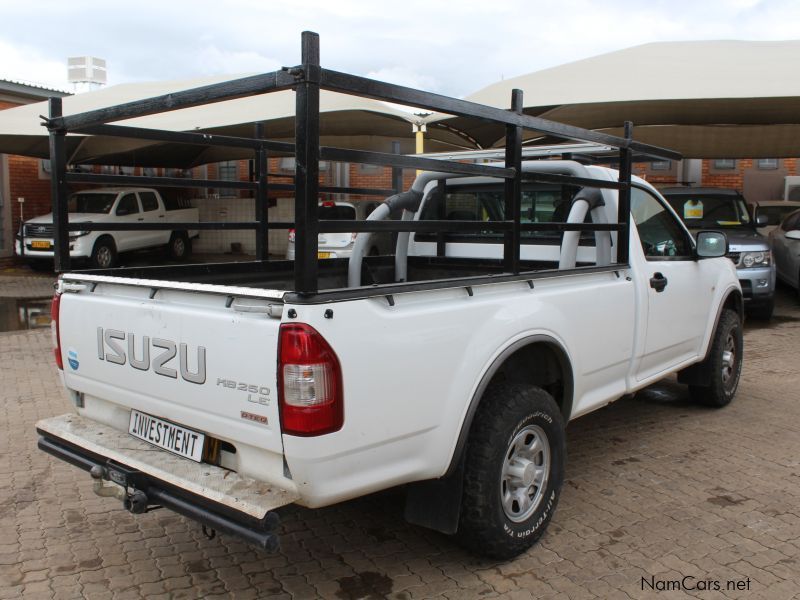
(42,244)
(323,254)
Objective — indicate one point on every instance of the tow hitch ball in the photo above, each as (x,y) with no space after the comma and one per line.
(133,500)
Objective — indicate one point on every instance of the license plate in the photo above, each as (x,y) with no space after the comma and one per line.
(323,254)
(40,244)
(169,436)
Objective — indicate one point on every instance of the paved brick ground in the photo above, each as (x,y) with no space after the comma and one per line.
(656,487)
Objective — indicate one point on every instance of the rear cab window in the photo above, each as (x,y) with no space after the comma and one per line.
(540,204)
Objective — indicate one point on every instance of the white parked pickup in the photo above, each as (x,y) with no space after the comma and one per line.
(109,205)
(223,394)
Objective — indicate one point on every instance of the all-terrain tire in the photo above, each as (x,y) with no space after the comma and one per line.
(492,522)
(724,363)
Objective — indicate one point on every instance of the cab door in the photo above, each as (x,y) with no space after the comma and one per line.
(128,211)
(676,291)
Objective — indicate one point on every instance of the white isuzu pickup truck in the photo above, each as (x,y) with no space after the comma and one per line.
(102,248)
(258,399)
(520,295)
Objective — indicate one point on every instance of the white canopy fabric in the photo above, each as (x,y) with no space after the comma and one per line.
(345,121)
(704,99)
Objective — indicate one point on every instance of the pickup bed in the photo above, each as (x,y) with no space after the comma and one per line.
(222,393)
(102,248)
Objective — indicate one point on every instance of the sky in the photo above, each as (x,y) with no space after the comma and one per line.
(453,48)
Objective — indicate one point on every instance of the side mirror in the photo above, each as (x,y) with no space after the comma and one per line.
(762,220)
(794,234)
(711,244)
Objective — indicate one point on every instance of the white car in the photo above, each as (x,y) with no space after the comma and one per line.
(340,245)
(785,242)
(35,241)
(774,211)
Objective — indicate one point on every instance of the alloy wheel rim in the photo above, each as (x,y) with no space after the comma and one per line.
(104,256)
(525,473)
(728,358)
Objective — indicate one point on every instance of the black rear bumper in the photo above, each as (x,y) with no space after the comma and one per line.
(259,532)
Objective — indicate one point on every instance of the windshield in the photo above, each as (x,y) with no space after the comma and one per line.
(91,203)
(775,214)
(707,210)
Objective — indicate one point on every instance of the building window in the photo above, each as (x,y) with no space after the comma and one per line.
(661,165)
(178,173)
(365,169)
(44,168)
(287,163)
(725,164)
(228,171)
(767,163)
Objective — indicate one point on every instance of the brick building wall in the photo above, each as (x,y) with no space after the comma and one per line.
(27,180)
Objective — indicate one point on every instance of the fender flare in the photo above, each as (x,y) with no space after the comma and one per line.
(436,503)
(698,373)
(499,360)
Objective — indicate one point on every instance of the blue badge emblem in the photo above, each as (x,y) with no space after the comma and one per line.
(72,358)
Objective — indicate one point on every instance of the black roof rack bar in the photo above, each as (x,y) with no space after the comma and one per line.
(389,92)
(142,226)
(207,94)
(141,181)
(354,226)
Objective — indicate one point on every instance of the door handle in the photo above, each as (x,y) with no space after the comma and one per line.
(658,282)
(140,219)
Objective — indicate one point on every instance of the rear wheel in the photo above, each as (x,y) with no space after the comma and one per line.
(725,363)
(104,254)
(514,470)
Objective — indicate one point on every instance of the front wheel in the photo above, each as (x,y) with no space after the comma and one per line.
(725,363)
(104,254)
(514,470)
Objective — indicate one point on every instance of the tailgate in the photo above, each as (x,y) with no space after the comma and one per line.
(203,360)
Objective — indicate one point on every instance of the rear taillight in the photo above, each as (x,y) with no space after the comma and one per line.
(291,235)
(55,333)
(310,388)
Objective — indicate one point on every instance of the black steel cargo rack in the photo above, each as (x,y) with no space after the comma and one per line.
(307,79)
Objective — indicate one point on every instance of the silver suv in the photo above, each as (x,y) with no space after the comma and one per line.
(726,210)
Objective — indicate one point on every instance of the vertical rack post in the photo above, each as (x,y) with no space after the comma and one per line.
(513,188)
(58,191)
(306,214)
(624,197)
(441,236)
(397,172)
(262,230)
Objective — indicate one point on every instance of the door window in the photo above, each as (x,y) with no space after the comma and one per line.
(129,205)
(149,201)
(660,232)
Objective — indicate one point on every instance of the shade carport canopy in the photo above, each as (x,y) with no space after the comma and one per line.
(345,121)
(703,99)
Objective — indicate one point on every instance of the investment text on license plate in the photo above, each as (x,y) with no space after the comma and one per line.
(178,440)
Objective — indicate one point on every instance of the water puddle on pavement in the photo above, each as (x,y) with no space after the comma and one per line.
(24,313)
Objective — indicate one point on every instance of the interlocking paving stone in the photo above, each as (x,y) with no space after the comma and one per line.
(656,487)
